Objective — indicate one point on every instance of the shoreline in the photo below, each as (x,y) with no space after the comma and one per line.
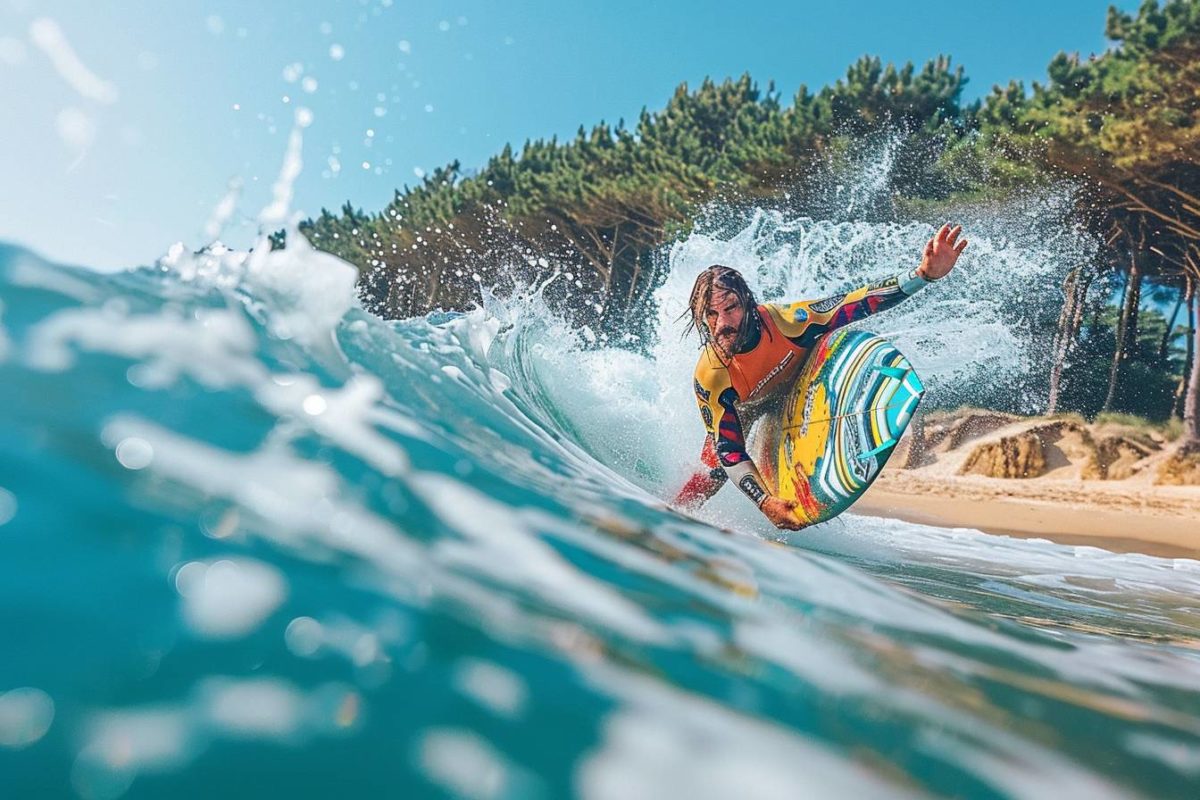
(1157,521)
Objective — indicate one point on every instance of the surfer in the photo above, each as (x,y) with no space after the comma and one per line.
(751,353)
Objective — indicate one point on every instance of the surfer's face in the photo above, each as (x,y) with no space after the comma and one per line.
(724,317)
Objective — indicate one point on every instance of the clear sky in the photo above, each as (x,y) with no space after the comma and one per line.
(122,129)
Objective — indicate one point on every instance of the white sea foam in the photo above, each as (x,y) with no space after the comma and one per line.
(229,598)
(25,717)
(295,500)
(8,506)
(346,415)
(5,344)
(262,708)
(120,743)
(1017,768)
(664,742)
(31,273)
(150,738)
(216,348)
(463,763)
(310,291)
(466,765)
(815,659)
(358,644)
(494,687)
(1179,755)
(500,543)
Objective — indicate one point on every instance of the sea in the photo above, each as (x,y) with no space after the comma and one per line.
(257,541)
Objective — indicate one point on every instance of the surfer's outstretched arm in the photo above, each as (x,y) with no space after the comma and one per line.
(808,320)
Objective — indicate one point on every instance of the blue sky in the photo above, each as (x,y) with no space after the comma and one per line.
(108,167)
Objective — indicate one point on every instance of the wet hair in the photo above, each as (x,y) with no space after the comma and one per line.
(728,279)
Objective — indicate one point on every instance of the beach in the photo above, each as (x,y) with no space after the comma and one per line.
(1061,480)
(1161,520)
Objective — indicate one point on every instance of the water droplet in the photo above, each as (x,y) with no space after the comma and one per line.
(304,636)
(134,453)
(314,404)
(8,506)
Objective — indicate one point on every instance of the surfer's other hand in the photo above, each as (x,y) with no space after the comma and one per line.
(782,513)
(941,252)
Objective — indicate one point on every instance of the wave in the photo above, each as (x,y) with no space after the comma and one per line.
(251,530)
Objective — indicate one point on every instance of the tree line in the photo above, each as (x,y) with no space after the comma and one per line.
(592,211)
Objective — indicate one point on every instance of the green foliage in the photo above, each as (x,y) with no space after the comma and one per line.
(598,205)
(1127,122)
(1170,430)
(1151,379)
(588,213)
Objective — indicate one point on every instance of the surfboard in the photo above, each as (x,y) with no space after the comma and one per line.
(842,420)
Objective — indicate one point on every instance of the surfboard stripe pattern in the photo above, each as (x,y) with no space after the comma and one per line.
(842,419)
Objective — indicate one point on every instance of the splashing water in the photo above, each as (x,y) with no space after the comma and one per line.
(973,337)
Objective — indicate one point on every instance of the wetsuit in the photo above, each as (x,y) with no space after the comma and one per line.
(732,394)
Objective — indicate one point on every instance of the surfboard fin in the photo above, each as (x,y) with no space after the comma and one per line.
(877,450)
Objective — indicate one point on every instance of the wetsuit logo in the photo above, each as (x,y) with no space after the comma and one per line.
(752,488)
(828,304)
(767,378)
(701,392)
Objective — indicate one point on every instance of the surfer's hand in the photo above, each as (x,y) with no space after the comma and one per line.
(941,251)
(782,513)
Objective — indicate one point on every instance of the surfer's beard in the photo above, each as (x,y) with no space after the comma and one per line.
(725,340)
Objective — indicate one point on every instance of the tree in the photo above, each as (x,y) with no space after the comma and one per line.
(1127,125)
(597,206)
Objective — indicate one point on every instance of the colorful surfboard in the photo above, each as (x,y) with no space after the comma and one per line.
(842,420)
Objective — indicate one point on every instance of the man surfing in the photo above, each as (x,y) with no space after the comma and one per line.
(751,354)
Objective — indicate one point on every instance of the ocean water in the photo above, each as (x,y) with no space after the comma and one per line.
(255,541)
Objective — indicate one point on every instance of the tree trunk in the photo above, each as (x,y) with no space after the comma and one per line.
(1126,330)
(1191,402)
(1190,359)
(1068,327)
(1164,348)
(917,446)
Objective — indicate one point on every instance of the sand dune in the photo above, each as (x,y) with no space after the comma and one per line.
(1117,486)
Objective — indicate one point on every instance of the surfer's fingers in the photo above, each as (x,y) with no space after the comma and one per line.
(943,232)
(958,248)
(929,247)
(954,232)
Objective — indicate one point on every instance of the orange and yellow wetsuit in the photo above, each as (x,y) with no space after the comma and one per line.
(733,393)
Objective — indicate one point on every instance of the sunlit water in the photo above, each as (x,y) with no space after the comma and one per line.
(256,541)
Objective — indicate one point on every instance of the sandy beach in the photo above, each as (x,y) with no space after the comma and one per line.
(1163,521)
(1065,481)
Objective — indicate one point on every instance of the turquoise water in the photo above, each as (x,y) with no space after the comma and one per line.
(255,540)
